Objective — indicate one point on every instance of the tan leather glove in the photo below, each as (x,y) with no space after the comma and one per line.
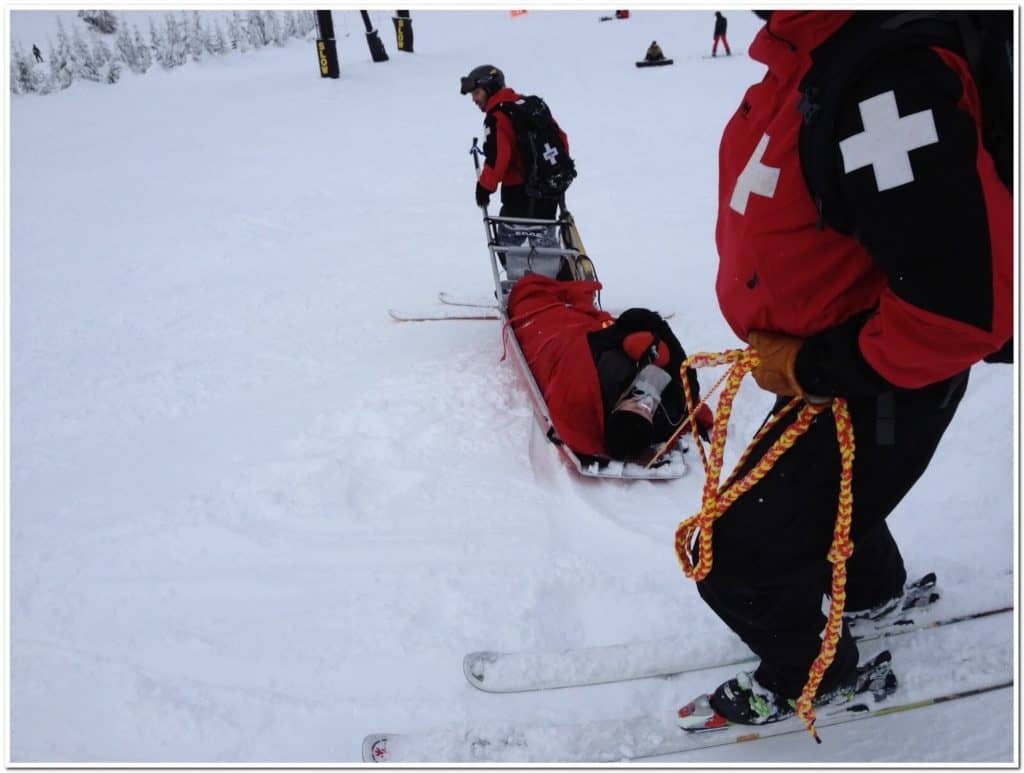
(777,371)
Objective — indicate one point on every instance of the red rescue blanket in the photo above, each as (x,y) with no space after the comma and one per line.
(551,320)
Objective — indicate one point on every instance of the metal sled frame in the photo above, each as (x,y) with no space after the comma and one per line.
(507,260)
(545,246)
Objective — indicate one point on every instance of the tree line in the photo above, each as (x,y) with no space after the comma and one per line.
(180,38)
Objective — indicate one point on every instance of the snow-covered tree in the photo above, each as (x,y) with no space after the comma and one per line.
(158,42)
(216,43)
(238,30)
(59,58)
(112,71)
(101,54)
(196,40)
(124,49)
(83,65)
(103,21)
(257,30)
(142,51)
(305,23)
(274,28)
(176,44)
(288,27)
(21,72)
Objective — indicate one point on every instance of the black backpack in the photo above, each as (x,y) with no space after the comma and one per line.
(983,38)
(548,170)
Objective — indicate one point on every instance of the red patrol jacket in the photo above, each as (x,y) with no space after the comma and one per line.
(930,263)
(502,162)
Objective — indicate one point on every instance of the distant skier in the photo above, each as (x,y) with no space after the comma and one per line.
(654,52)
(721,24)
(36,53)
(503,162)
(884,289)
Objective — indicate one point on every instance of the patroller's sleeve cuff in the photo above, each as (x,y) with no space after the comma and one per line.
(830,363)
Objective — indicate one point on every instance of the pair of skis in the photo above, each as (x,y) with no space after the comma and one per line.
(669,463)
(655,735)
(451,309)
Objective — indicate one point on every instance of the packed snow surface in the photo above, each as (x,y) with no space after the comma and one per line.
(253,519)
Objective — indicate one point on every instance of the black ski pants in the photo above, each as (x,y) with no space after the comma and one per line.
(770,573)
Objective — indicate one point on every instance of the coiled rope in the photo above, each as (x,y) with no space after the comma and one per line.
(717,497)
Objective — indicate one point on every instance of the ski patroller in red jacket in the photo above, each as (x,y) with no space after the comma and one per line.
(924,290)
(502,162)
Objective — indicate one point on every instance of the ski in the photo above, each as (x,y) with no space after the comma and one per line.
(627,739)
(453,300)
(449,299)
(505,672)
(439,316)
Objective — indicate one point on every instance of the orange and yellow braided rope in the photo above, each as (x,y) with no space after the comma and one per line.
(717,498)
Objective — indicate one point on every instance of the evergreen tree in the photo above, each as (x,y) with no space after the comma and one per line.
(234,33)
(159,44)
(143,52)
(101,54)
(176,47)
(60,60)
(241,26)
(21,72)
(273,28)
(196,38)
(103,21)
(216,41)
(257,30)
(112,72)
(124,48)
(82,63)
(289,28)
(305,23)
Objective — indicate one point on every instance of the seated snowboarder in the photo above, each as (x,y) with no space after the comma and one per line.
(654,52)
(612,386)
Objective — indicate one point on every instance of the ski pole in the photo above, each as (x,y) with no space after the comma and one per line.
(475,152)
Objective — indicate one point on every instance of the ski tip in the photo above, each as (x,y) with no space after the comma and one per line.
(375,748)
(474,666)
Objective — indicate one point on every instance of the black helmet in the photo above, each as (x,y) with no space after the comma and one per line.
(486,76)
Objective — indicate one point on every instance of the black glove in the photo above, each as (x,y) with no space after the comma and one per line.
(483,196)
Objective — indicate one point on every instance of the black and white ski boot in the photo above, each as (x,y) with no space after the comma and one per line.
(920,593)
(744,701)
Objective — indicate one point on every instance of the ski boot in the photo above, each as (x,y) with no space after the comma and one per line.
(917,594)
(744,701)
